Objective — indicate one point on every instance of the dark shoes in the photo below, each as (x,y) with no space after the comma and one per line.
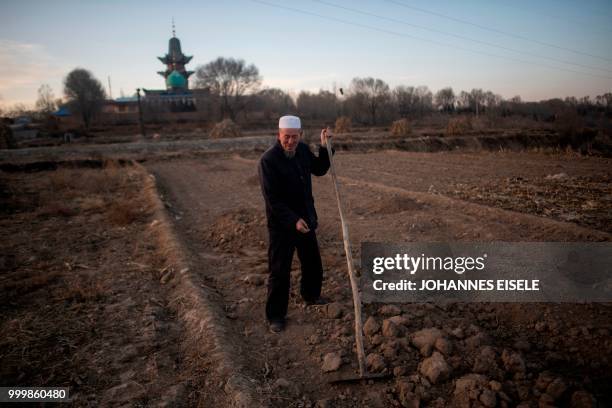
(320,301)
(276,326)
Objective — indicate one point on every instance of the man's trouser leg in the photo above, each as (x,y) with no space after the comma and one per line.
(312,269)
(280,255)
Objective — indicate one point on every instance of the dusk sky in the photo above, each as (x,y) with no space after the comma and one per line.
(535,49)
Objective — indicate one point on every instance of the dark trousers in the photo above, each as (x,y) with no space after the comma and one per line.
(280,256)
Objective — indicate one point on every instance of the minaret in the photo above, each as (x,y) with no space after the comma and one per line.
(175,74)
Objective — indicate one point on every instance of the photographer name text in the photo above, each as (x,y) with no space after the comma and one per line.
(459,285)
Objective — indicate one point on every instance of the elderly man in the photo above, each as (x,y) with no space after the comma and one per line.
(284,175)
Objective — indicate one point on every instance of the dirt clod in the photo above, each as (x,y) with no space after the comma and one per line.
(331,362)
(435,368)
(375,362)
(371,326)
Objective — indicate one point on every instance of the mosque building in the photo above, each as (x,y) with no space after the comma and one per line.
(177,97)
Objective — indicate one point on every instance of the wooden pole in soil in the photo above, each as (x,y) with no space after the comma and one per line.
(351,270)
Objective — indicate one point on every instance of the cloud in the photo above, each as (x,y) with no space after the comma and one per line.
(23,68)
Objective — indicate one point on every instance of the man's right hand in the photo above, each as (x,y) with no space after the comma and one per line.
(325,134)
(301,226)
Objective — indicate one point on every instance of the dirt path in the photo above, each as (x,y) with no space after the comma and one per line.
(218,212)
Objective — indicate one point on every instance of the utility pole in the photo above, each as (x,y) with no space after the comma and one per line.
(110,90)
(140,121)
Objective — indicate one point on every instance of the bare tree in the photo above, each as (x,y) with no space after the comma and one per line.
(322,105)
(605,101)
(406,100)
(274,101)
(230,80)
(476,100)
(84,94)
(18,109)
(463,101)
(511,106)
(445,99)
(370,94)
(425,100)
(45,103)
(492,101)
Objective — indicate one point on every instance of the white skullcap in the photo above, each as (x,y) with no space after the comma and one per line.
(289,122)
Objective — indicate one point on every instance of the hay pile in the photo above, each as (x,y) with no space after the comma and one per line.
(401,128)
(224,129)
(459,126)
(343,125)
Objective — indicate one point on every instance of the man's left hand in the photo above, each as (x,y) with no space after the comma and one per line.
(325,134)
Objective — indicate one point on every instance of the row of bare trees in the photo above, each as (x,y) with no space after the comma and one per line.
(234,91)
(368,101)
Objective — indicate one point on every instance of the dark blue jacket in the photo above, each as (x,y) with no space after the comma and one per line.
(287,187)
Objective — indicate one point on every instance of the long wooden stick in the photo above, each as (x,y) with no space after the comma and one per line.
(351,269)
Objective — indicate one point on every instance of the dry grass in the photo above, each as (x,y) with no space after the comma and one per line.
(79,290)
(72,191)
(60,180)
(90,204)
(57,209)
(343,125)
(401,128)
(224,129)
(484,123)
(69,276)
(459,126)
(557,151)
(26,282)
(124,212)
(84,181)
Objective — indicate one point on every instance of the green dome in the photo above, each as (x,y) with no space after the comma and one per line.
(176,80)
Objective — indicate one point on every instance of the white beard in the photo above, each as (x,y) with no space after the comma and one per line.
(289,153)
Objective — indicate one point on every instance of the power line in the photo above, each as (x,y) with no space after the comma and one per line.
(531,54)
(598,12)
(395,33)
(598,30)
(521,37)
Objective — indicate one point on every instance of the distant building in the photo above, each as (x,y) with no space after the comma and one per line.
(176,75)
(124,104)
(62,112)
(175,102)
(23,127)
(177,97)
